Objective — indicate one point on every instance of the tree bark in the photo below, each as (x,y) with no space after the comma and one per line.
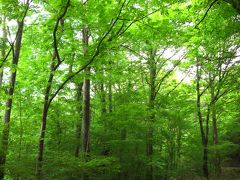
(44,124)
(7,114)
(235,4)
(200,119)
(86,98)
(79,119)
(216,161)
(103,99)
(178,151)
(47,99)
(151,105)
(110,105)
(3,52)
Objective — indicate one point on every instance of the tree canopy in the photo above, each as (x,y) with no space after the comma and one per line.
(104,89)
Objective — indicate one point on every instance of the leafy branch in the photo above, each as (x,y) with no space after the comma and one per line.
(205,15)
(92,59)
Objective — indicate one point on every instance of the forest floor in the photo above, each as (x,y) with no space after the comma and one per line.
(231,173)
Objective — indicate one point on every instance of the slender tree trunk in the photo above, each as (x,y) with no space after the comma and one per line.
(3,52)
(103,99)
(7,114)
(44,123)
(217,160)
(214,121)
(205,161)
(21,129)
(86,113)
(1,78)
(86,104)
(20,136)
(109,89)
(205,146)
(200,119)
(47,100)
(79,119)
(152,79)
(110,105)
(179,137)
(235,4)
(86,98)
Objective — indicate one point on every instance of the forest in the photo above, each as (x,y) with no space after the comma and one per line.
(120,89)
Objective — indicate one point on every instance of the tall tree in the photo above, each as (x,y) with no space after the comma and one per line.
(55,63)
(86,97)
(79,118)
(204,133)
(12,82)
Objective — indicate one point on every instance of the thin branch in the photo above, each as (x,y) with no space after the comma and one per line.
(5,58)
(167,74)
(180,82)
(12,43)
(91,60)
(218,96)
(55,43)
(160,55)
(120,29)
(204,91)
(85,2)
(164,62)
(133,51)
(205,15)
(136,20)
(26,10)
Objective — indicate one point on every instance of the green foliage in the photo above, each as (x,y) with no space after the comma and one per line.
(137,48)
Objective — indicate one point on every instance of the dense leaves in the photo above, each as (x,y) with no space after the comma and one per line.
(164,89)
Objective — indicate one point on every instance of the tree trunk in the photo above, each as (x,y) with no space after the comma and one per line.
(44,123)
(200,119)
(179,138)
(217,160)
(86,113)
(103,99)
(110,106)
(86,98)
(79,119)
(235,4)
(3,52)
(205,161)
(151,105)
(214,121)
(47,100)
(7,114)
(109,86)
(1,78)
